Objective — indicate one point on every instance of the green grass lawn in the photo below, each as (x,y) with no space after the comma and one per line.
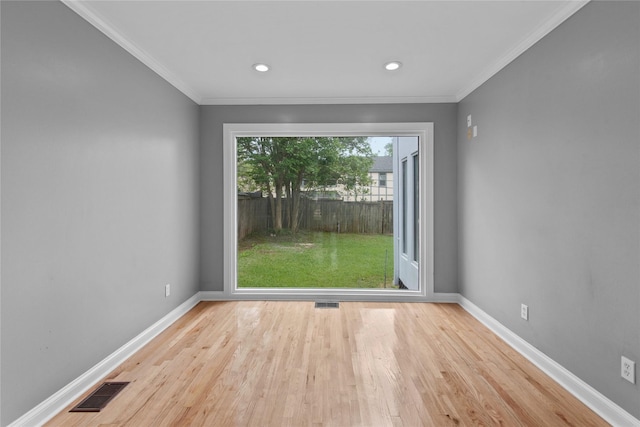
(315,260)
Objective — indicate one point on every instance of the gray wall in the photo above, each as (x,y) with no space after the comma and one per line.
(549,196)
(211,169)
(101,182)
(99,200)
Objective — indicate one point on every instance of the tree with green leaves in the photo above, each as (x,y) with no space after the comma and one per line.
(388,148)
(354,174)
(280,166)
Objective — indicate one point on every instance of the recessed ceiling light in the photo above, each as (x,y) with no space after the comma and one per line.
(393,65)
(261,67)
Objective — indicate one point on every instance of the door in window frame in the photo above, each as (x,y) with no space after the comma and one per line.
(424,132)
(406,212)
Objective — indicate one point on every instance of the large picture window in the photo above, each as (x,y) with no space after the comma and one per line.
(302,219)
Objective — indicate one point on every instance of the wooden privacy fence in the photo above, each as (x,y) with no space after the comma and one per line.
(253,216)
(319,215)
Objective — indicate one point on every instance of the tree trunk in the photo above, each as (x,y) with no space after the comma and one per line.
(277,219)
(287,189)
(295,215)
(271,204)
(295,203)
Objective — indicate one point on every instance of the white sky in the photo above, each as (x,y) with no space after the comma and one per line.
(377,144)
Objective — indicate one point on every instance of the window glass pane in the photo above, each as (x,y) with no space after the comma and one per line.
(305,215)
(416,205)
(382,179)
(404,206)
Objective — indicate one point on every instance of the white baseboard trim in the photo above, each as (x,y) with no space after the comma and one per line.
(597,402)
(442,297)
(214,296)
(65,396)
(439,297)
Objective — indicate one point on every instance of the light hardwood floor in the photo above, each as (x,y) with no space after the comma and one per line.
(364,364)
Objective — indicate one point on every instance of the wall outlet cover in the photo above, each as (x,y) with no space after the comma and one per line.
(469,121)
(524,311)
(167,290)
(628,370)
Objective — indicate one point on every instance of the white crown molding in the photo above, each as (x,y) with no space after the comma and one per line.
(82,9)
(69,393)
(330,100)
(592,398)
(535,36)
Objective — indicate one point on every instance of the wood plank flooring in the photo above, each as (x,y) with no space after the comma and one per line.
(247,363)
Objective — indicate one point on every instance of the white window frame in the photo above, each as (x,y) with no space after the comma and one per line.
(423,130)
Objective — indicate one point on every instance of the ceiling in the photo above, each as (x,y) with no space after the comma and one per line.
(325,51)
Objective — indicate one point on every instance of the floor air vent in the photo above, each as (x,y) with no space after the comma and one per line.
(100,397)
(327,304)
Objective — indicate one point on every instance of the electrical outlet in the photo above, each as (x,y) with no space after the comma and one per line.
(628,370)
(524,311)
(167,290)
(469,121)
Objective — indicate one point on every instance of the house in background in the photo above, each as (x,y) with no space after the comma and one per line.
(112,188)
(380,187)
(381,175)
